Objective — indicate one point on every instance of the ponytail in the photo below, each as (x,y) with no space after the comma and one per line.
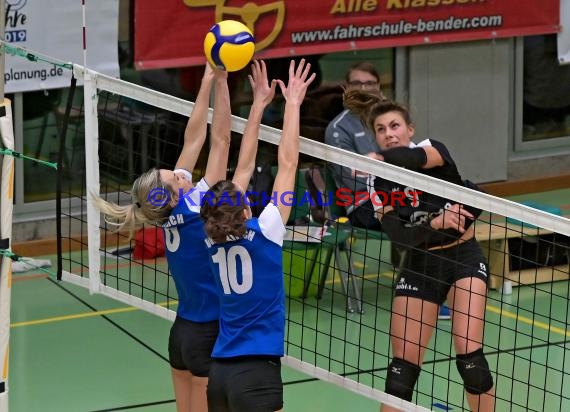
(361,102)
(143,209)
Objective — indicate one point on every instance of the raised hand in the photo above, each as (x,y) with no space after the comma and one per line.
(299,81)
(263,91)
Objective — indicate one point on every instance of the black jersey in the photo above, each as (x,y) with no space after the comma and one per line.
(415,208)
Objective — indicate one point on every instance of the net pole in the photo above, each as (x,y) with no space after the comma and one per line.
(6,206)
(92,175)
(6,209)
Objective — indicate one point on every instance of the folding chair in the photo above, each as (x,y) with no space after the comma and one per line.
(334,242)
(357,233)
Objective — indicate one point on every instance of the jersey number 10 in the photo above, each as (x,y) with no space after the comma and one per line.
(227,263)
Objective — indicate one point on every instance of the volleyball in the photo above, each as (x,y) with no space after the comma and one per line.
(229,45)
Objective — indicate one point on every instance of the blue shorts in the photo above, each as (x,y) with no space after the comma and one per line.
(190,345)
(245,384)
(429,274)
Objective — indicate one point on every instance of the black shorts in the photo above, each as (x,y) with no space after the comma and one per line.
(245,384)
(190,345)
(429,274)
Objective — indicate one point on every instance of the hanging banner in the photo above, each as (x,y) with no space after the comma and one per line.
(54,28)
(171,35)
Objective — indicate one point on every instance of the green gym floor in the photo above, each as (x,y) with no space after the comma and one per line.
(71,351)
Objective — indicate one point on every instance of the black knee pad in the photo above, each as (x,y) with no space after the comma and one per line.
(401,379)
(474,371)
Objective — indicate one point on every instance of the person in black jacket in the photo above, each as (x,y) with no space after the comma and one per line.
(444,261)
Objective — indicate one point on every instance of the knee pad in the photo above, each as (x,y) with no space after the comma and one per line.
(474,371)
(401,379)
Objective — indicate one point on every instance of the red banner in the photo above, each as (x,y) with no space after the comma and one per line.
(170,33)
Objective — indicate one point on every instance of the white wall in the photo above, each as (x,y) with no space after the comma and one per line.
(460,94)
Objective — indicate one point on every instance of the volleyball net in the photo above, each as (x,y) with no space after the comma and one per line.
(339,279)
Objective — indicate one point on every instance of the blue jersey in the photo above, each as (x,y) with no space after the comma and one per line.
(249,274)
(188,259)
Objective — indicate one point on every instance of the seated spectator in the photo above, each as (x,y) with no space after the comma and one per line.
(347,132)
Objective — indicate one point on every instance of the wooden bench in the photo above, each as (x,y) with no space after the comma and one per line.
(493,239)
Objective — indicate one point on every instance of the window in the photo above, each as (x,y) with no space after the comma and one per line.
(546,90)
(43,114)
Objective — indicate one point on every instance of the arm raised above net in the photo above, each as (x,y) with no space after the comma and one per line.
(263,94)
(197,126)
(288,155)
(221,131)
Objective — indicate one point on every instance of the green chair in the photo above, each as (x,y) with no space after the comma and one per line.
(327,210)
(336,212)
(334,243)
(316,257)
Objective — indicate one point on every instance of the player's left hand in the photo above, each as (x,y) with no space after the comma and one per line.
(263,91)
(452,218)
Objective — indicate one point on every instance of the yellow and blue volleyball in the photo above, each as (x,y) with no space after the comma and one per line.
(229,45)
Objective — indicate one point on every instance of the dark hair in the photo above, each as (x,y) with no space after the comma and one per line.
(369,104)
(363,67)
(385,107)
(222,211)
